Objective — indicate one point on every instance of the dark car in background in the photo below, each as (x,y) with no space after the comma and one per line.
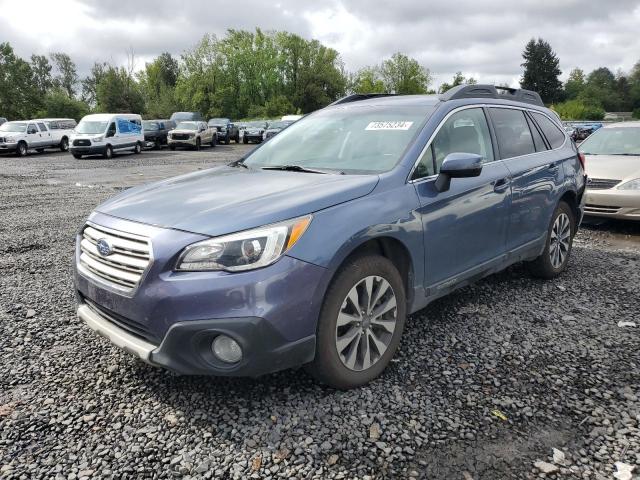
(226,130)
(155,133)
(254,131)
(275,128)
(178,117)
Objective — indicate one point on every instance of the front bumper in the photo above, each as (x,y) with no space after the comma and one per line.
(191,142)
(186,348)
(171,318)
(222,135)
(8,147)
(613,203)
(88,150)
(253,138)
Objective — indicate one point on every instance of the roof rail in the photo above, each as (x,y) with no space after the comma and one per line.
(356,97)
(491,91)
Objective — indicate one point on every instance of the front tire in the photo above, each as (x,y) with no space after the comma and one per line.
(77,156)
(213,141)
(245,140)
(137,149)
(557,250)
(172,147)
(360,323)
(197,147)
(22,149)
(227,140)
(108,152)
(64,144)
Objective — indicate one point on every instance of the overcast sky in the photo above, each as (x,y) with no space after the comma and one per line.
(483,39)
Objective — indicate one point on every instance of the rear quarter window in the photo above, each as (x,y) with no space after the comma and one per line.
(554,135)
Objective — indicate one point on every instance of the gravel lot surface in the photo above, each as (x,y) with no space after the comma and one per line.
(487,382)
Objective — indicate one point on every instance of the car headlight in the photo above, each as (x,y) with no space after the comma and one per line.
(246,250)
(97,139)
(630,185)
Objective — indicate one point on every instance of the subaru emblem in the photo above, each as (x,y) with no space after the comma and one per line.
(104,247)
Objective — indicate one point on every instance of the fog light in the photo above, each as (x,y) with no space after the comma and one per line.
(226,349)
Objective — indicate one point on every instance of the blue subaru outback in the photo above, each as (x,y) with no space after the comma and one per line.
(314,248)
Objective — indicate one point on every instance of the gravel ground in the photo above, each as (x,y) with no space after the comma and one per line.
(487,382)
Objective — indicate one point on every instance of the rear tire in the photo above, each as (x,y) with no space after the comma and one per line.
(22,149)
(108,152)
(557,249)
(237,139)
(227,140)
(64,144)
(245,140)
(197,144)
(355,343)
(172,147)
(77,156)
(137,149)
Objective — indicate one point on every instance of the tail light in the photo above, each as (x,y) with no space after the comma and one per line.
(583,160)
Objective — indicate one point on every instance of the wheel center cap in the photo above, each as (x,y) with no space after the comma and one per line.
(366,322)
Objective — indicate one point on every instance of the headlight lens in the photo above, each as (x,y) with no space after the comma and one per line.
(630,185)
(97,139)
(244,250)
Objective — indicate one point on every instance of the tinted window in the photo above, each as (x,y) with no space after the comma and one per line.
(554,135)
(32,128)
(538,141)
(54,125)
(512,130)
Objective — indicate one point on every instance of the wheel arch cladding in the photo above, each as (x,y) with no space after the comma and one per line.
(571,199)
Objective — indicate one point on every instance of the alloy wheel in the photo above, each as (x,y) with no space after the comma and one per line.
(366,323)
(560,240)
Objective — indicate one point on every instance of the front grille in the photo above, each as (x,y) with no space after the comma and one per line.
(124,267)
(82,142)
(589,208)
(601,183)
(131,326)
(180,136)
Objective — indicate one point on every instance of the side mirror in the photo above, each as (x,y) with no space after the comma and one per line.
(458,165)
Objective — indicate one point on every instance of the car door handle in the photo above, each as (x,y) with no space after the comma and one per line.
(500,185)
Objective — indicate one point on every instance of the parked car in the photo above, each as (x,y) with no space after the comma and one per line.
(107,134)
(191,135)
(225,130)
(60,130)
(21,136)
(186,117)
(613,167)
(275,128)
(314,248)
(3,120)
(155,133)
(254,131)
(291,118)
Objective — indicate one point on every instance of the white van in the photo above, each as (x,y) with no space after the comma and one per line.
(107,133)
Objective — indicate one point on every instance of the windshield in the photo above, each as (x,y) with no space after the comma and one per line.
(218,121)
(187,126)
(279,124)
(257,124)
(613,141)
(151,125)
(88,126)
(362,139)
(13,127)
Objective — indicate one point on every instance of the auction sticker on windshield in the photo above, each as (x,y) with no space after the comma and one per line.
(389,126)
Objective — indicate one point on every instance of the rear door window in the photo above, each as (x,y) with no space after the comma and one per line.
(43,127)
(554,135)
(512,130)
(538,141)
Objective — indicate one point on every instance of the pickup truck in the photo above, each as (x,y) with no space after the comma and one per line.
(21,136)
(60,130)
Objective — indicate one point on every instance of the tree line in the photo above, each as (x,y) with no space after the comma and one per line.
(254,74)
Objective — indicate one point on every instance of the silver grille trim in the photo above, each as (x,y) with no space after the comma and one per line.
(123,269)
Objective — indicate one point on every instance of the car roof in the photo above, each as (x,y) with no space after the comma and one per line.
(622,125)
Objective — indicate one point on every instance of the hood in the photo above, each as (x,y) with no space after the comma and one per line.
(613,167)
(229,199)
(11,134)
(179,130)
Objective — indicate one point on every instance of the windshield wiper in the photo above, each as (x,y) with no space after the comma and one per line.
(293,168)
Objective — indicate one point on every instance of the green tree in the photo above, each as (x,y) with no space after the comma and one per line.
(600,90)
(57,103)
(91,81)
(41,73)
(66,76)
(404,75)
(118,92)
(574,84)
(367,80)
(157,83)
(458,79)
(541,70)
(578,110)
(18,94)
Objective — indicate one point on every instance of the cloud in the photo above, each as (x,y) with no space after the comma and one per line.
(482,39)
